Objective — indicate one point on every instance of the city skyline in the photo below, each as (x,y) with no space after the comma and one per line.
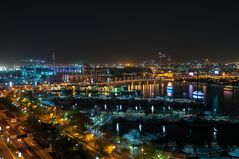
(93,32)
(119,80)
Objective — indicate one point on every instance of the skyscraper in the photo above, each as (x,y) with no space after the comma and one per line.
(161,57)
(169,61)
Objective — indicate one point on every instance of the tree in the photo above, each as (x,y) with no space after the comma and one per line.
(80,120)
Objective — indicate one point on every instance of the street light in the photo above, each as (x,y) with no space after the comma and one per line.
(132,148)
(19,154)
(112,149)
(142,153)
(19,142)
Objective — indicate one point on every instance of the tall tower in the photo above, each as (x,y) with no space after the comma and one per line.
(53,58)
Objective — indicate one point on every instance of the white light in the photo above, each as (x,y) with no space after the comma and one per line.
(19,154)
(215,133)
(105,106)
(164,129)
(117,127)
(140,127)
(152,109)
(191,73)
(198,95)
(170,84)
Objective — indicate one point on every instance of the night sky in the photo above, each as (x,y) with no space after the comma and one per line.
(119,31)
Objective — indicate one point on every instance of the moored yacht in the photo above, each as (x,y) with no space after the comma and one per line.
(234,152)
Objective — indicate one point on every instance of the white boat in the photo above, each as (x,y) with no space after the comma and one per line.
(159,98)
(124,97)
(165,98)
(182,100)
(234,152)
(103,97)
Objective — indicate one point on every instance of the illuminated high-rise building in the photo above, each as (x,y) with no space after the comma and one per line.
(161,57)
(169,61)
(207,62)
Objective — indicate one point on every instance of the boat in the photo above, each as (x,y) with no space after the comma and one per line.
(103,97)
(133,136)
(124,97)
(182,100)
(189,149)
(137,137)
(228,88)
(159,98)
(165,99)
(234,152)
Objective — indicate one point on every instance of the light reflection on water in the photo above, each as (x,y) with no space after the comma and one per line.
(223,101)
(215,103)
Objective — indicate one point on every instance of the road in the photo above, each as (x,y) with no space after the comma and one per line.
(5,152)
(29,148)
(92,149)
(34,145)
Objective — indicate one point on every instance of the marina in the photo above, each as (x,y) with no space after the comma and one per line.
(133,115)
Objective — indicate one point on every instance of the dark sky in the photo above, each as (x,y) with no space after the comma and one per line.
(119,31)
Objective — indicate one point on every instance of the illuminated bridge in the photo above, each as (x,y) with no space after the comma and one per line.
(144,80)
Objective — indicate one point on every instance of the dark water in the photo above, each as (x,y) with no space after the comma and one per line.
(223,135)
(216,97)
(223,101)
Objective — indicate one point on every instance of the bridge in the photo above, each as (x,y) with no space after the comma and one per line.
(47,87)
(143,80)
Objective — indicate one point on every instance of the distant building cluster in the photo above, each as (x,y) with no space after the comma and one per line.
(39,71)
